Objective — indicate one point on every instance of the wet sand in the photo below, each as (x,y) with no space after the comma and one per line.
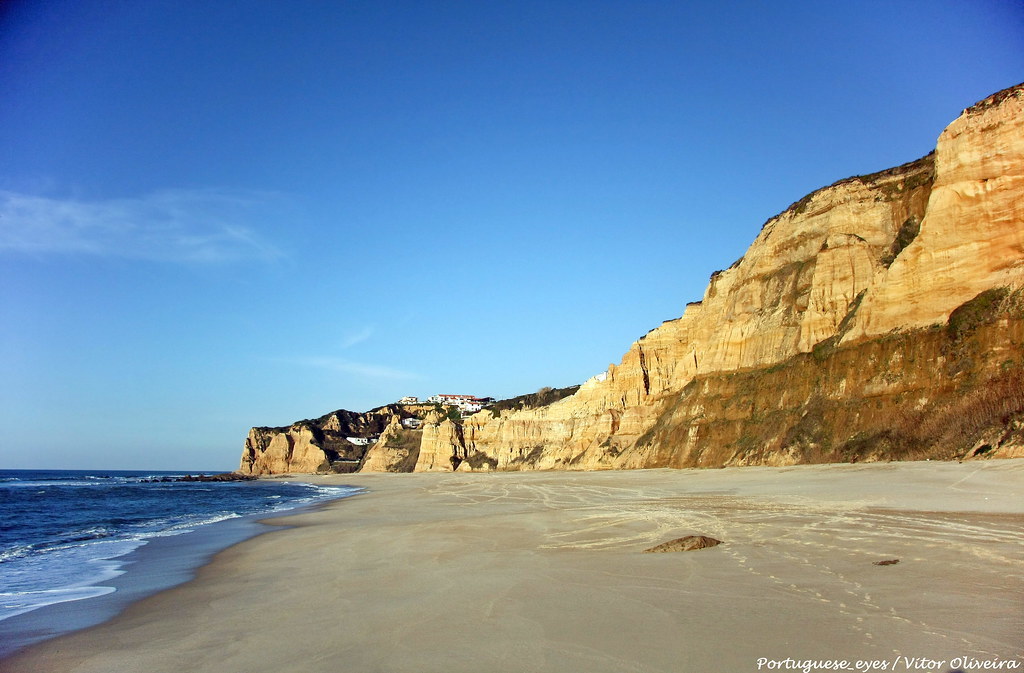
(544,572)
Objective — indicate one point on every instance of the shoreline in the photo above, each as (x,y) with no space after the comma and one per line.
(543,571)
(160,564)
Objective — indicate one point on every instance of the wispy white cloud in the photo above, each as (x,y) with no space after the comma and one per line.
(357,337)
(343,366)
(173,225)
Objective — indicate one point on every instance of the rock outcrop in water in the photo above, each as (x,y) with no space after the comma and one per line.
(878,318)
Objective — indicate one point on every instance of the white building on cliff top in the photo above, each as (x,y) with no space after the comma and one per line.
(465,403)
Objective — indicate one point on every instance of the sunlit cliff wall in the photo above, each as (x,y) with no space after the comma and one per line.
(875,318)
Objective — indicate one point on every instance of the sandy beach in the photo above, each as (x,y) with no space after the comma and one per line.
(545,572)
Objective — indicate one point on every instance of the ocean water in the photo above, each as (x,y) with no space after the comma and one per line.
(64,535)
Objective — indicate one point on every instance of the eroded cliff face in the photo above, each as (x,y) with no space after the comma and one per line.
(442,446)
(397,449)
(943,392)
(866,313)
(271,451)
(793,289)
(971,238)
(316,445)
(878,258)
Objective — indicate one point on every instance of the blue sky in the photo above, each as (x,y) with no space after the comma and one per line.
(215,215)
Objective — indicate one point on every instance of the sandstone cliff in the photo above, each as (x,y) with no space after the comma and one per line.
(397,449)
(317,445)
(880,317)
(442,447)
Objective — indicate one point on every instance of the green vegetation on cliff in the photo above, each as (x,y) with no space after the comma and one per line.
(947,392)
(541,398)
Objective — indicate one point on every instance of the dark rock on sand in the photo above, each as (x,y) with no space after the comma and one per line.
(688,543)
